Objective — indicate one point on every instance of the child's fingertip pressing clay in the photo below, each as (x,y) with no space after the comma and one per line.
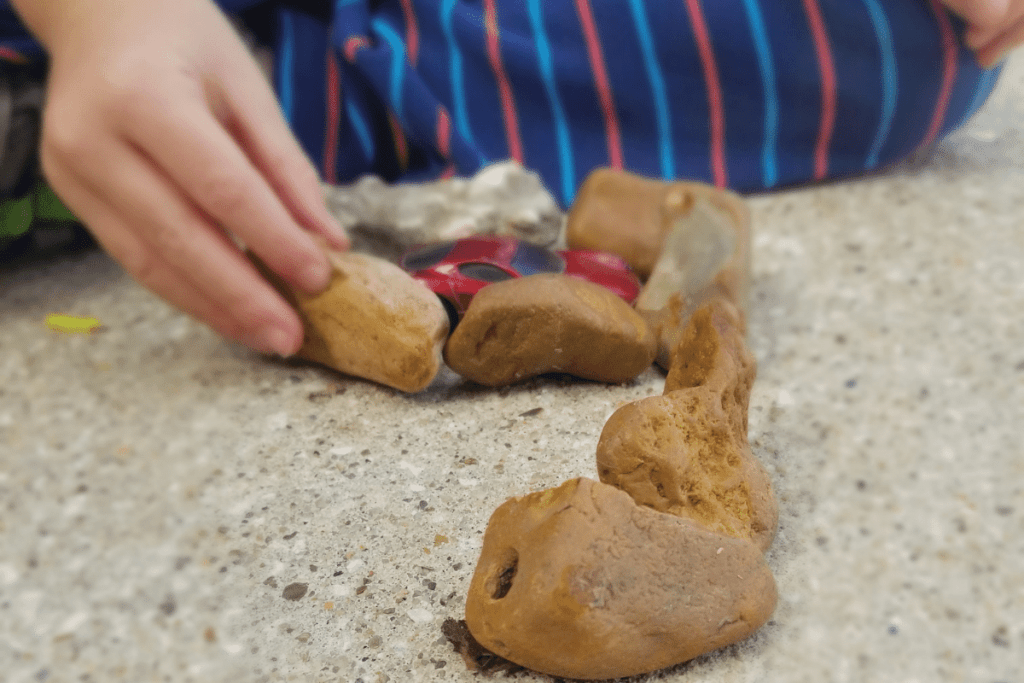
(333,235)
(339,238)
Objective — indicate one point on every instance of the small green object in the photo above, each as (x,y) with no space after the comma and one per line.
(49,207)
(15,217)
(40,205)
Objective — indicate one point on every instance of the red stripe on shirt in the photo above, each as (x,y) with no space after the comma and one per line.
(352,45)
(401,145)
(444,133)
(604,89)
(333,117)
(9,55)
(714,88)
(949,69)
(412,35)
(508,105)
(828,87)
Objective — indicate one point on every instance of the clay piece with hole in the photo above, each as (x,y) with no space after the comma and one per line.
(686,452)
(373,321)
(544,323)
(664,559)
(630,215)
(580,581)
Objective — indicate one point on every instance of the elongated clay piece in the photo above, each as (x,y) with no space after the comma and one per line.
(521,328)
(697,246)
(592,581)
(686,452)
(579,581)
(706,255)
(373,321)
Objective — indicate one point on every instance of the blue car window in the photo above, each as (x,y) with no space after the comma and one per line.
(427,256)
(485,272)
(530,259)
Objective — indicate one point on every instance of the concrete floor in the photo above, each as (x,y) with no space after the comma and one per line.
(162,492)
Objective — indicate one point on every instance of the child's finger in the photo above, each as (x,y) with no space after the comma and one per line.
(170,285)
(993,52)
(177,252)
(197,154)
(114,234)
(982,14)
(978,37)
(257,122)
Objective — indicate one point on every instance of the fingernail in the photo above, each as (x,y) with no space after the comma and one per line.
(280,341)
(336,233)
(315,276)
(271,341)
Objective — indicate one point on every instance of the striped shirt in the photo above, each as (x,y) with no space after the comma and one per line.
(746,94)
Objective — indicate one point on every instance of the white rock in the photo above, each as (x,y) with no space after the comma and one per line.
(501,199)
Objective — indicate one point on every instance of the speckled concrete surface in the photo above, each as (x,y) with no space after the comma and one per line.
(174,508)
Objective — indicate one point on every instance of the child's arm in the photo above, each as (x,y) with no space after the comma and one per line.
(163,136)
(995,26)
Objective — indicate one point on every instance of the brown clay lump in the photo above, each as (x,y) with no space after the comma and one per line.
(678,454)
(663,560)
(521,328)
(631,216)
(580,582)
(705,255)
(686,452)
(660,562)
(373,321)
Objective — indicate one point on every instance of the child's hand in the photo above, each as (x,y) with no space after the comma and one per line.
(163,136)
(995,26)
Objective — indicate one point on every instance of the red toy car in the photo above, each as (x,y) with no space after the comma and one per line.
(458,269)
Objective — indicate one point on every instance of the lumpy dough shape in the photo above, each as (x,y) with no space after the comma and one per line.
(683,279)
(521,328)
(579,581)
(373,321)
(711,353)
(686,452)
(631,215)
(678,454)
(712,356)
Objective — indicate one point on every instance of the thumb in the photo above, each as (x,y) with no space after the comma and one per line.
(980,14)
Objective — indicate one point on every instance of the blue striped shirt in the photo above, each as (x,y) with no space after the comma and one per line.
(746,94)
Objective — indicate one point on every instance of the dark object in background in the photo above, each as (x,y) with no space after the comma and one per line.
(477,657)
(21,106)
(64,238)
(26,203)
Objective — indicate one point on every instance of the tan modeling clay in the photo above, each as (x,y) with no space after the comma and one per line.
(631,216)
(549,323)
(663,561)
(373,321)
(686,452)
(580,581)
